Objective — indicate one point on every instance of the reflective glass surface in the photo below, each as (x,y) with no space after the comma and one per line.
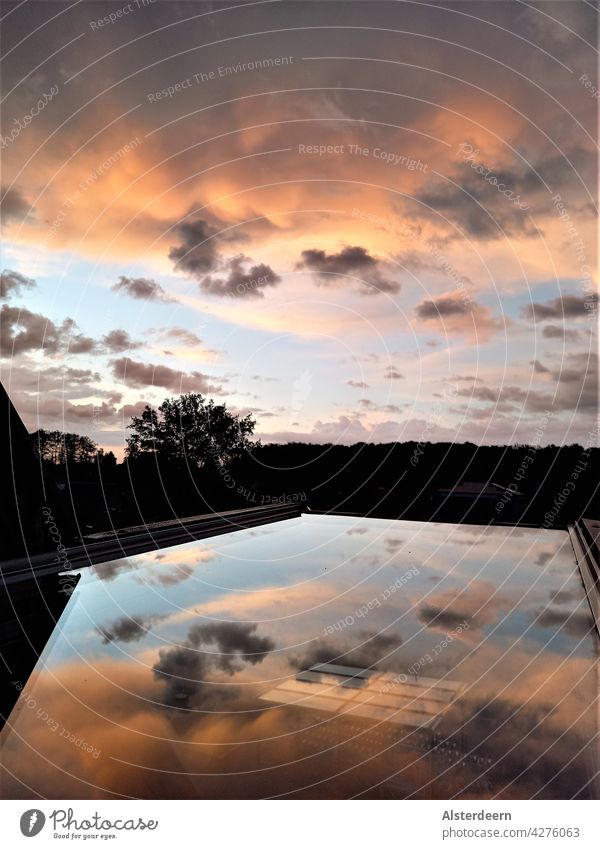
(318,657)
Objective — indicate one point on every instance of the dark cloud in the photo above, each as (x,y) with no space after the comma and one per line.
(543,557)
(372,651)
(184,672)
(13,206)
(564,596)
(455,313)
(494,395)
(117,341)
(241,282)
(392,373)
(36,408)
(49,408)
(58,381)
(478,604)
(473,207)
(431,615)
(510,398)
(143,289)
(476,207)
(355,262)
(234,641)
(553,331)
(138,375)
(185,669)
(358,384)
(539,367)
(128,629)
(111,569)
(576,388)
(23,330)
(441,307)
(13,283)
(198,253)
(78,343)
(578,383)
(565,306)
(576,624)
(465,378)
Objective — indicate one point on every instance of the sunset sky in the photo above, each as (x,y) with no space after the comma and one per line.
(359,221)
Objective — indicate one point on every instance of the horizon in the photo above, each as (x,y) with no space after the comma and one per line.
(121,453)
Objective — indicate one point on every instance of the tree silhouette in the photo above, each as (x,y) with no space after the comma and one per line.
(57,447)
(190,428)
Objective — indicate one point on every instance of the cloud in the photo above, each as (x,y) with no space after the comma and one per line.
(455,314)
(14,283)
(233,641)
(553,331)
(473,215)
(539,367)
(441,307)
(78,343)
(348,430)
(577,383)
(392,544)
(576,389)
(240,282)
(199,255)
(392,373)
(143,289)
(373,651)
(35,409)
(117,341)
(565,306)
(57,381)
(198,252)
(577,624)
(475,205)
(128,629)
(185,669)
(138,375)
(563,596)
(22,330)
(543,557)
(355,262)
(186,337)
(357,384)
(477,605)
(13,205)
(184,672)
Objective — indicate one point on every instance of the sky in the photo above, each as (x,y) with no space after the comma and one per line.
(359,221)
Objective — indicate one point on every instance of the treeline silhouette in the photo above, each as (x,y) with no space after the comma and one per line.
(191,456)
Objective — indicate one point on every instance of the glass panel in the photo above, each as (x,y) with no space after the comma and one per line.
(320,656)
